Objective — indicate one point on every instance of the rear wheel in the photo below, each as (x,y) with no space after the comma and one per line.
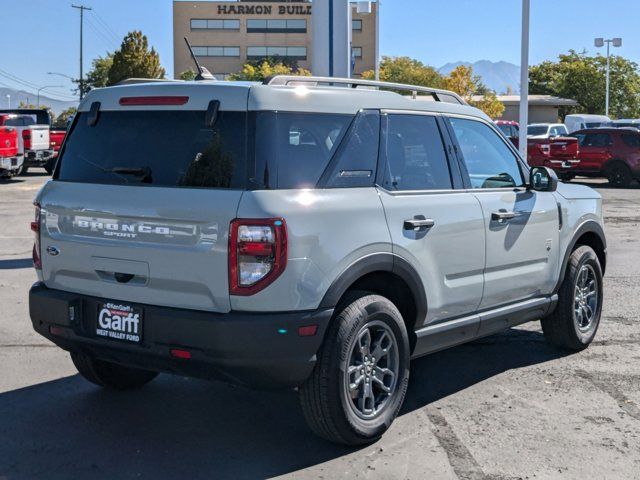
(22,170)
(574,322)
(360,380)
(619,175)
(110,375)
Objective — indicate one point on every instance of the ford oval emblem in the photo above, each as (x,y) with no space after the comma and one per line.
(52,250)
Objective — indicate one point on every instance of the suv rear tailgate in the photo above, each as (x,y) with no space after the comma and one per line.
(160,246)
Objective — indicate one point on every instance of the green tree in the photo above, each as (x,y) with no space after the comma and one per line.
(62,119)
(462,81)
(265,68)
(135,60)
(582,78)
(187,75)
(98,76)
(406,70)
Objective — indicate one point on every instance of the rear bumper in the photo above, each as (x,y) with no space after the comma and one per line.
(10,165)
(256,350)
(37,158)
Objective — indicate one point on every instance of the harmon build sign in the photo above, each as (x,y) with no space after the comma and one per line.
(264,9)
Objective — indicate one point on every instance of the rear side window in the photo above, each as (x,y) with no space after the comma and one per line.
(631,140)
(415,155)
(355,161)
(490,163)
(157,148)
(292,150)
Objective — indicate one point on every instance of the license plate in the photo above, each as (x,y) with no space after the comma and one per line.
(566,164)
(119,321)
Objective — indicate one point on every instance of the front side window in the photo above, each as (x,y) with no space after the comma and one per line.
(596,140)
(631,140)
(490,162)
(415,155)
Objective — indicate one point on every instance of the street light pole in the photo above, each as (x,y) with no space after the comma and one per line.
(599,42)
(377,63)
(8,100)
(524,80)
(42,88)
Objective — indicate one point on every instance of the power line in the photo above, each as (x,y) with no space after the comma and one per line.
(106,26)
(109,42)
(24,83)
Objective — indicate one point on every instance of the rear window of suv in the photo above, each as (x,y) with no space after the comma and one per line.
(158,148)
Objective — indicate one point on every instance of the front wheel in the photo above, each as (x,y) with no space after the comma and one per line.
(361,377)
(574,322)
(110,375)
(619,175)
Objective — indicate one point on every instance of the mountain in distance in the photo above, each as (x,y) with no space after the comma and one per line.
(495,75)
(18,96)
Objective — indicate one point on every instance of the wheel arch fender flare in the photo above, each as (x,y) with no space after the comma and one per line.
(590,226)
(378,262)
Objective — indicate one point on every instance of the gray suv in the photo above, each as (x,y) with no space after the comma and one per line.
(305,233)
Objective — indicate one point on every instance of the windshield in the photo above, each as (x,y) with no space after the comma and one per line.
(537,130)
(159,148)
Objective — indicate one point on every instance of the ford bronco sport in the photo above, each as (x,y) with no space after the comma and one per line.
(302,233)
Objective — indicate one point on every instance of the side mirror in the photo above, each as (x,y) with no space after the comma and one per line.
(543,179)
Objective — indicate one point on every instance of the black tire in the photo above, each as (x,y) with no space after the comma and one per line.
(566,177)
(22,170)
(111,375)
(619,175)
(326,397)
(564,328)
(49,166)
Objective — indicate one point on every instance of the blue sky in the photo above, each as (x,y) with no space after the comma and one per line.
(45,33)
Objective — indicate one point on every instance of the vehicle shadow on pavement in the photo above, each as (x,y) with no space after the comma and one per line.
(184,428)
(16,263)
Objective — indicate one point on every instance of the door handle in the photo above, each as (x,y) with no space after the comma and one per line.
(502,216)
(417,224)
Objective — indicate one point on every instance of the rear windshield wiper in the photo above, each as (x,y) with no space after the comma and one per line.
(143,172)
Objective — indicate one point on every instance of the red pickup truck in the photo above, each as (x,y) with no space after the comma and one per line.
(56,137)
(613,153)
(559,153)
(10,161)
(33,135)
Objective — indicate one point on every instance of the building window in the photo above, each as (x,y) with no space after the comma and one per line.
(291,53)
(210,24)
(356,25)
(276,26)
(356,52)
(216,51)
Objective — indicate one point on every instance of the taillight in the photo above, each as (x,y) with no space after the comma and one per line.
(26,136)
(257,254)
(35,228)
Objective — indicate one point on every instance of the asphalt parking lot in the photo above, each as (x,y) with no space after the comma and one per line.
(504,407)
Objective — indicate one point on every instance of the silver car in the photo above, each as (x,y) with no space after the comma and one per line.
(306,233)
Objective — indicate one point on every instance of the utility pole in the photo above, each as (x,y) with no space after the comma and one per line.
(524,79)
(82,8)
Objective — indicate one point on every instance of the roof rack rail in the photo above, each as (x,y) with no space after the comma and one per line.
(437,94)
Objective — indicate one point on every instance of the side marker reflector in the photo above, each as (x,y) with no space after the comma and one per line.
(308,331)
(181,354)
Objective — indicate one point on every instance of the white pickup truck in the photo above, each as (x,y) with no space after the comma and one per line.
(33,135)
